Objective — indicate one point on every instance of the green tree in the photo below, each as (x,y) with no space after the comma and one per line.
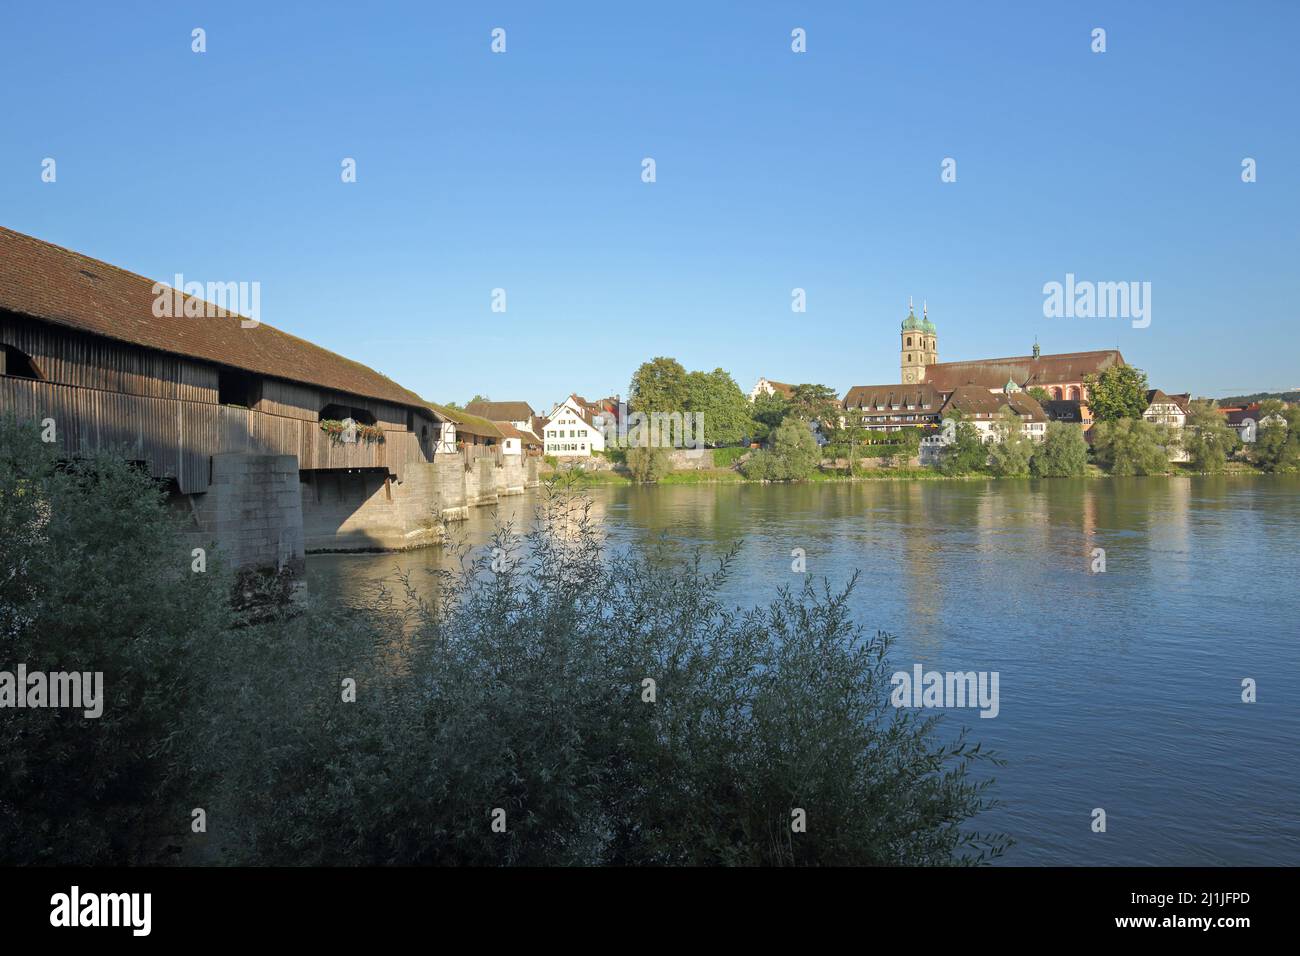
(1130,446)
(1012,449)
(815,403)
(1118,392)
(966,453)
(1207,437)
(910,439)
(1277,437)
(759,466)
(768,412)
(95,577)
(905,445)
(1063,453)
(659,386)
(725,408)
(793,456)
(1039,394)
(849,442)
(648,465)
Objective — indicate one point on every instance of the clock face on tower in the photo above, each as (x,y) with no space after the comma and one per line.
(909,376)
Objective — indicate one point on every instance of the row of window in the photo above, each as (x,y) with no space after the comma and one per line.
(1074,395)
(882,408)
(571,446)
(573,433)
(866,419)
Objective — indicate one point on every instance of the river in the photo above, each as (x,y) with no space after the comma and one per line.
(1119,690)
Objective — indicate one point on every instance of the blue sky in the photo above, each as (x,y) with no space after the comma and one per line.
(775,170)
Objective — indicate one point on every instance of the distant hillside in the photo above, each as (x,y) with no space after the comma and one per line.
(1259,397)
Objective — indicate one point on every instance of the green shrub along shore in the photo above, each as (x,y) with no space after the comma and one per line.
(785,429)
(598,708)
(1063,455)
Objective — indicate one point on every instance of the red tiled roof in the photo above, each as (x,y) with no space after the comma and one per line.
(885,396)
(525,437)
(508,431)
(1236,416)
(587,410)
(976,401)
(56,285)
(1025,370)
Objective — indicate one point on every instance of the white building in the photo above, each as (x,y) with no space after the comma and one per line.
(573,431)
(765,386)
(512,439)
(1169,411)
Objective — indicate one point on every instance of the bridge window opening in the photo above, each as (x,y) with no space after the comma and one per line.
(236,388)
(18,364)
(337,413)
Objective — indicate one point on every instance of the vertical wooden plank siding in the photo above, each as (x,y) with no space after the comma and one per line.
(164,410)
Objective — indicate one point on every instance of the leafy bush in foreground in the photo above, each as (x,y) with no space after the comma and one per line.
(93,577)
(524,690)
(521,690)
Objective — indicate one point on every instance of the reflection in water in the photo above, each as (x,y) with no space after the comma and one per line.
(1118,689)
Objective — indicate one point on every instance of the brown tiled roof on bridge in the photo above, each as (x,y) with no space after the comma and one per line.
(466,422)
(56,285)
(1025,370)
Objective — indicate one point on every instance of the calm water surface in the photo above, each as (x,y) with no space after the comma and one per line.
(1119,690)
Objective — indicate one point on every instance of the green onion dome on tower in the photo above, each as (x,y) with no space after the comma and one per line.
(911,323)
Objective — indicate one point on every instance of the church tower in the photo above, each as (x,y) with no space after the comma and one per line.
(919,345)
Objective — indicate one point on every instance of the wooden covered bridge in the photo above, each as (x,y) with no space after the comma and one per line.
(200,401)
